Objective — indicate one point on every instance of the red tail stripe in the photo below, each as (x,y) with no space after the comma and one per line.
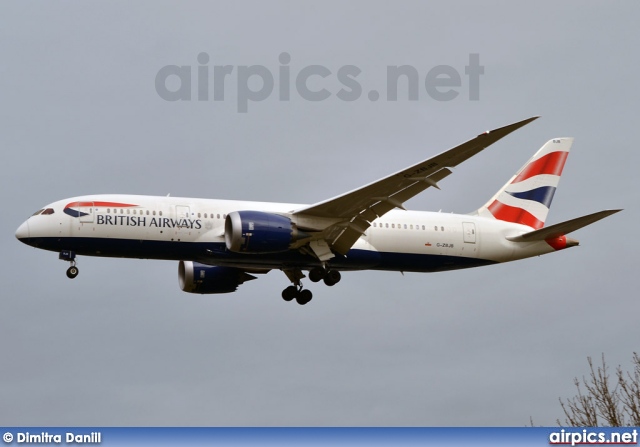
(552,164)
(512,214)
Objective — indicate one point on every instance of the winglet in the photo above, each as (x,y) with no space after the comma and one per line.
(510,128)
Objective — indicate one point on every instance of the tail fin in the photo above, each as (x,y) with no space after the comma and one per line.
(526,198)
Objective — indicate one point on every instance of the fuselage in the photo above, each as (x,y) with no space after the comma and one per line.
(175,228)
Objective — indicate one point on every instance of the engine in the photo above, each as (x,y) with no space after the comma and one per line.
(257,232)
(200,278)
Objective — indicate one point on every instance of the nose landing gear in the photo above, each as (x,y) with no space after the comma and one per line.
(70,256)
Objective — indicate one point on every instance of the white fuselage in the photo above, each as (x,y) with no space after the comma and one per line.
(175,228)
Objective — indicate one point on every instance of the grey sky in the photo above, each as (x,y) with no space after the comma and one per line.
(122,345)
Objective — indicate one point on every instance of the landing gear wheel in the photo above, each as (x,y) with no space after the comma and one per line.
(289,293)
(332,277)
(72,272)
(317,274)
(304,297)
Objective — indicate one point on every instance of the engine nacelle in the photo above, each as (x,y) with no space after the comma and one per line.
(201,278)
(259,232)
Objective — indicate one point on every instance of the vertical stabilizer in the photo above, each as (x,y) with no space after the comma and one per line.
(527,197)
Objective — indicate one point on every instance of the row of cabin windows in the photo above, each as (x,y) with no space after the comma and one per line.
(405,226)
(142,212)
(213,216)
(153,213)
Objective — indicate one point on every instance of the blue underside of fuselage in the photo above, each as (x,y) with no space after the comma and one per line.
(217,254)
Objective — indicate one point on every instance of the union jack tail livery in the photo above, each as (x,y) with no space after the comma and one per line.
(526,198)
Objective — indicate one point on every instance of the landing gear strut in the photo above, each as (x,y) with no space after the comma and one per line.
(70,256)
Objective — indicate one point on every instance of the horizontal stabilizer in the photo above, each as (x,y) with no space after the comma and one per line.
(562,228)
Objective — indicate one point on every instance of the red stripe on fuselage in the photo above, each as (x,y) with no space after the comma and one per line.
(552,164)
(111,204)
(516,215)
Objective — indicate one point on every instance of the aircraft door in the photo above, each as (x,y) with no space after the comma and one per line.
(182,215)
(182,212)
(86,211)
(469,232)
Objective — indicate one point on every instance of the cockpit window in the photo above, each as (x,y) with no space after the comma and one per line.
(47,211)
(37,212)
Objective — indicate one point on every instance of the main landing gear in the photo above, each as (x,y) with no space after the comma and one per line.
(302,296)
(70,256)
(316,274)
(330,277)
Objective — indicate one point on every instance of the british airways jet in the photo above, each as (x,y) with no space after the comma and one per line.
(220,244)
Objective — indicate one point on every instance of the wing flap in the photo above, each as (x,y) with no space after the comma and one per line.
(343,240)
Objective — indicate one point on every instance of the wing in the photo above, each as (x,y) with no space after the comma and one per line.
(351,214)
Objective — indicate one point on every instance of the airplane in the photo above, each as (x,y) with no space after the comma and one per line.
(220,244)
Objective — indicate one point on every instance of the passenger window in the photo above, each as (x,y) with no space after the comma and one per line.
(154,212)
(160,213)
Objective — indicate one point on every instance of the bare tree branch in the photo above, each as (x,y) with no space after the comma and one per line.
(604,403)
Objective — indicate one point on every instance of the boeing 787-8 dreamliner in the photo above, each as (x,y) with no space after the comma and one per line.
(220,244)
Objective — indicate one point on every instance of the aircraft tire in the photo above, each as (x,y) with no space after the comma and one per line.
(316,274)
(72,272)
(289,293)
(332,278)
(304,297)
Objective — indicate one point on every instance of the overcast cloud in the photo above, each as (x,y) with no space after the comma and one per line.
(122,345)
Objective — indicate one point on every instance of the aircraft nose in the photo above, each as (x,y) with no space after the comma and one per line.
(22,233)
